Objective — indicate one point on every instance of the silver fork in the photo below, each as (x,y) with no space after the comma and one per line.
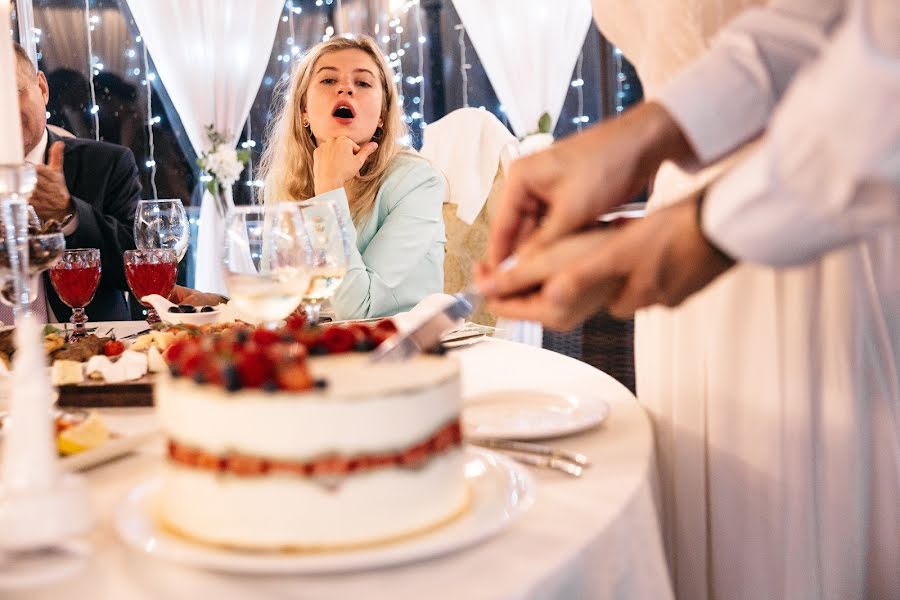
(538,455)
(532,448)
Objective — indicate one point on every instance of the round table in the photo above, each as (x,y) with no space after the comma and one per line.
(593,537)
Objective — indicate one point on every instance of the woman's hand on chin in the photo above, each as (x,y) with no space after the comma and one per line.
(337,161)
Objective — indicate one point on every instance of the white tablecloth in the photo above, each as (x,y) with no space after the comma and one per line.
(594,537)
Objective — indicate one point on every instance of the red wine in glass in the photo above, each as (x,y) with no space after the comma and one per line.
(75,278)
(151,272)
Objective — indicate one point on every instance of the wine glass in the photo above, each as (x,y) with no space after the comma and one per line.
(151,272)
(44,251)
(266,260)
(329,244)
(162,224)
(75,278)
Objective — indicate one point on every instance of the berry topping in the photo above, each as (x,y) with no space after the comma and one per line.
(337,339)
(240,357)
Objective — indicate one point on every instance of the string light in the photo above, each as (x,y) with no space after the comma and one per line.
(91,60)
(150,120)
(463,65)
(578,83)
(397,51)
(620,79)
(421,55)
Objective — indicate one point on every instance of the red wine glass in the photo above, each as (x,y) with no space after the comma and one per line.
(75,278)
(151,272)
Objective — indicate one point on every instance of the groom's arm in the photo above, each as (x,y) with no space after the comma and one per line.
(827,172)
(725,98)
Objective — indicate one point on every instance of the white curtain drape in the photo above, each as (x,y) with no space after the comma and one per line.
(211,56)
(528,49)
(65,36)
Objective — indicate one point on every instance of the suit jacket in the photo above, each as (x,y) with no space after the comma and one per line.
(105,186)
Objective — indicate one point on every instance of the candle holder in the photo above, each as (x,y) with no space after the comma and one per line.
(39,507)
(16,184)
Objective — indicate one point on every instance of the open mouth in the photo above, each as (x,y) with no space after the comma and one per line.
(343,112)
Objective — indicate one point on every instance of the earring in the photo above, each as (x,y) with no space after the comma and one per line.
(379,133)
(305,122)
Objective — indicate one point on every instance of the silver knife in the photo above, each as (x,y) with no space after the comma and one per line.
(427,334)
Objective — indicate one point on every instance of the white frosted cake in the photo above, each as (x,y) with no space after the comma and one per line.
(314,453)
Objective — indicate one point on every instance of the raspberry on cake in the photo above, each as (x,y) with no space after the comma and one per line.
(291,439)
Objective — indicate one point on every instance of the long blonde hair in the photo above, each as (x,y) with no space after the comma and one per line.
(287,161)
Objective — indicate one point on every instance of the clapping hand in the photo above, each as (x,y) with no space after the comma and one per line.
(337,161)
(51,198)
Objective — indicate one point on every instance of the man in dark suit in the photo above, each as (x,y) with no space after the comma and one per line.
(95,182)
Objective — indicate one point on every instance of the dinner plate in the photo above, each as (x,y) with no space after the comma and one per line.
(501,490)
(529,414)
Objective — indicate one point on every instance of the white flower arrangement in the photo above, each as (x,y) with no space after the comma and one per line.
(539,139)
(222,165)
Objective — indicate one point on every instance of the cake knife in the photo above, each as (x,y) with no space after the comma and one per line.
(427,334)
(403,345)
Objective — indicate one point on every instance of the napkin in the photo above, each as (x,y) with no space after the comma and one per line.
(470,173)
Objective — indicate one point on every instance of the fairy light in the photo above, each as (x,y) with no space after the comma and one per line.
(420,45)
(578,83)
(463,65)
(91,60)
(620,79)
(151,162)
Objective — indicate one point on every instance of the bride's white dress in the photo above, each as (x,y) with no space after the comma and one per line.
(774,435)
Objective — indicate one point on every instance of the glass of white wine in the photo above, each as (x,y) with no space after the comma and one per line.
(330,253)
(267,260)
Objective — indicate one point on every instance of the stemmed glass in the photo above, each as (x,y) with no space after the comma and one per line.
(151,272)
(162,224)
(44,251)
(330,249)
(75,278)
(266,260)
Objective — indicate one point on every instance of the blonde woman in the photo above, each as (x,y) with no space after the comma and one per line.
(337,136)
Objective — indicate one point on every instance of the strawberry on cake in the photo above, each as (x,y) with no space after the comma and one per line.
(292,440)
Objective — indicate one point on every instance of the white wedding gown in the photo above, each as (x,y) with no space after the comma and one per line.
(774,433)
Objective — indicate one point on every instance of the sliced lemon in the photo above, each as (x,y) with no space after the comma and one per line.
(88,434)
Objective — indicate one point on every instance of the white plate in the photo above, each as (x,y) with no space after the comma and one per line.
(123,440)
(501,491)
(530,414)
(118,445)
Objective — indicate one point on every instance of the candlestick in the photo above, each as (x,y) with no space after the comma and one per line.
(11,150)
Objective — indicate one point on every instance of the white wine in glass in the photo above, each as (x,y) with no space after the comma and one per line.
(329,247)
(266,260)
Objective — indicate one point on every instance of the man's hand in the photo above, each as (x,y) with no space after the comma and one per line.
(660,259)
(185,295)
(560,190)
(337,161)
(51,198)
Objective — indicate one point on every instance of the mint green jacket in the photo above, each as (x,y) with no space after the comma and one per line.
(397,254)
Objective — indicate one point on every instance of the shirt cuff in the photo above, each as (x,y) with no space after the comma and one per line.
(72,225)
(717,104)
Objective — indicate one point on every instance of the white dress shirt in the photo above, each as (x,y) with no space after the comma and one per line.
(40,307)
(826,171)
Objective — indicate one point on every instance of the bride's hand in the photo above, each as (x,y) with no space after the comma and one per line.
(337,161)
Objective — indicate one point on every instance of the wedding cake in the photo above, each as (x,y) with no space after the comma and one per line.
(294,441)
